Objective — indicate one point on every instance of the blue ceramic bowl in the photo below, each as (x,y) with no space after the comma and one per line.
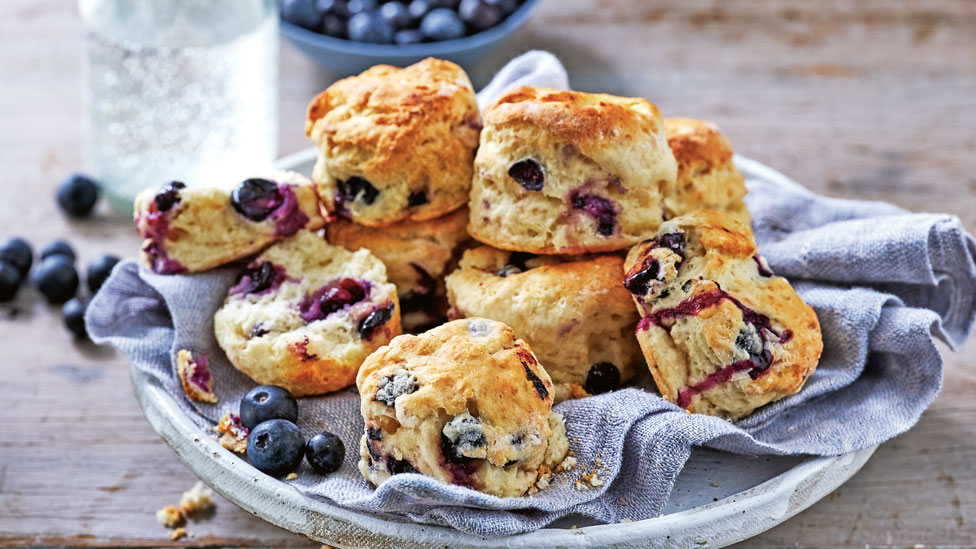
(345,57)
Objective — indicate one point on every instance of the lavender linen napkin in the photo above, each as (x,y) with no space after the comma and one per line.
(884,282)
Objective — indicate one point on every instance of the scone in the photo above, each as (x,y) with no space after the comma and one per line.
(395,143)
(305,314)
(417,255)
(563,172)
(195,229)
(465,403)
(573,312)
(707,177)
(722,335)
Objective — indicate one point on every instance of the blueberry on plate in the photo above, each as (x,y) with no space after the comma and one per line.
(449,4)
(73,314)
(371,27)
(56,279)
(325,452)
(332,7)
(10,279)
(265,403)
(397,14)
(333,25)
(506,6)
(419,8)
(479,14)
(275,447)
(408,36)
(303,13)
(360,6)
(602,378)
(18,252)
(77,195)
(442,24)
(58,248)
(99,270)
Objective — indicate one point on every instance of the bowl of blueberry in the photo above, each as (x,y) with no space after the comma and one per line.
(349,36)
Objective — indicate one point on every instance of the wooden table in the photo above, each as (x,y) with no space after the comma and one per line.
(873,100)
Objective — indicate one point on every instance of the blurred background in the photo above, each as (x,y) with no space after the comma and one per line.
(874,99)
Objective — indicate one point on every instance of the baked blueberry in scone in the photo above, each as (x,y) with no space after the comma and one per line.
(572,310)
(466,403)
(305,314)
(563,172)
(721,334)
(417,255)
(395,144)
(190,229)
(707,177)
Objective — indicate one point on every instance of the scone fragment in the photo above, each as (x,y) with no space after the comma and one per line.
(563,172)
(707,177)
(722,335)
(195,229)
(466,403)
(417,255)
(573,312)
(395,143)
(305,314)
(195,376)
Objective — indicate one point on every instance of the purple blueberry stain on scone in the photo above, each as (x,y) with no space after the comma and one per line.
(356,188)
(333,296)
(154,226)
(300,349)
(528,173)
(159,260)
(288,218)
(392,387)
(762,266)
(374,320)
(601,209)
(602,377)
(260,278)
(256,198)
(647,278)
(258,330)
(168,196)
(539,385)
(416,198)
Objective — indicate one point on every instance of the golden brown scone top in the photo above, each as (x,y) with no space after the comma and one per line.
(588,120)
(694,141)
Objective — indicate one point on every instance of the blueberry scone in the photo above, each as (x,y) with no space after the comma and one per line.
(573,312)
(707,177)
(721,334)
(189,229)
(563,172)
(305,314)
(466,403)
(417,255)
(395,143)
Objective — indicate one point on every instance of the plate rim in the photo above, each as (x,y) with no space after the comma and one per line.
(719,523)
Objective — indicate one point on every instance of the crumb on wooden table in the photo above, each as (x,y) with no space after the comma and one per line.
(197,498)
(170,516)
(177,534)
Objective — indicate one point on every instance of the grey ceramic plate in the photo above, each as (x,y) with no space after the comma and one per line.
(718,499)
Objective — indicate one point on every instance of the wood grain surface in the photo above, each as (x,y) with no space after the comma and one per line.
(873,99)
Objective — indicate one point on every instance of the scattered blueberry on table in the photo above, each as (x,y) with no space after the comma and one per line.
(99,270)
(58,248)
(18,252)
(10,279)
(73,314)
(267,402)
(56,278)
(77,195)
(396,21)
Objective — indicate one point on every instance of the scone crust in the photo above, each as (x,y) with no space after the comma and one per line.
(476,367)
(720,259)
(707,177)
(307,357)
(592,147)
(203,230)
(573,311)
(410,130)
(417,255)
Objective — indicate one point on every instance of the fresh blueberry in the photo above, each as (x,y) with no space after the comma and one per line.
(325,452)
(449,4)
(58,248)
(528,173)
(260,277)
(256,198)
(359,6)
(99,270)
(397,14)
(18,252)
(10,279)
(602,377)
(73,314)
(419,8)
(346,293)
(332,7)
(56,278)
(169,196)
(374,320)
(356,188)
(479,14)
(303,13)
(267,402)
(333,25)
(369,26)
(442,24)
(77,195)
(408,36)
(506,6)
(275,447)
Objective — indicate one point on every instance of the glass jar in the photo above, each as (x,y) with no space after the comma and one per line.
(178,90)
